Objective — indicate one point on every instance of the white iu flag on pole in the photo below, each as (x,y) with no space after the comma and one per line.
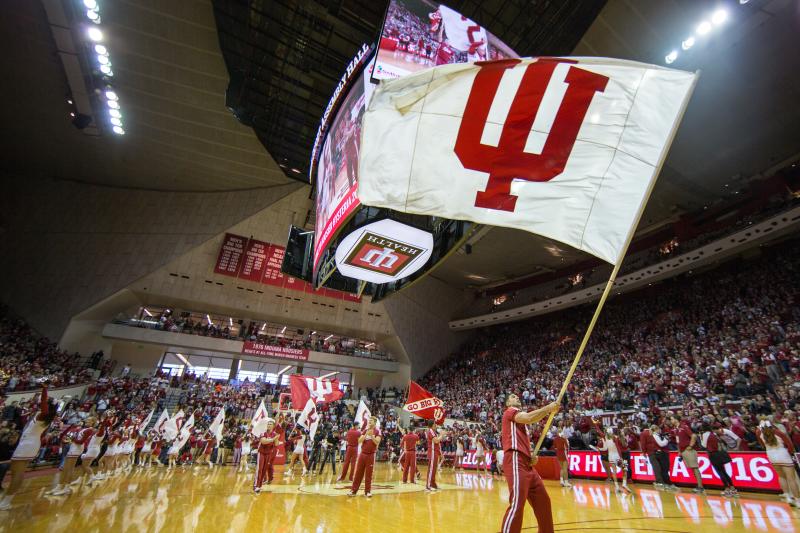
(143,424)
(158,427)
(562,147)
(217,425)
(260,418)
(362,415)
(185,432)
(173,425)
(309,418)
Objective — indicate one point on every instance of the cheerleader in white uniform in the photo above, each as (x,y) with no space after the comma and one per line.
(244,462)
(780,451)
(147,449)
(28,447)
(298,451)
(610,447)
(92,452)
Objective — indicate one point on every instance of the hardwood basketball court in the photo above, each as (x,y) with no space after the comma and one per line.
(202,499)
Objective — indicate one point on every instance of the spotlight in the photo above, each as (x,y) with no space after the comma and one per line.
(115,113)
(111,95)
(92,15)
(69,101)
(101,50)
(743,2)
(671,57)
(106,69)
(116,122)
(113,104)
(94,34)
(103,60)
(688,43)
(719,16)
(118,130)
(704,28)
(90,4)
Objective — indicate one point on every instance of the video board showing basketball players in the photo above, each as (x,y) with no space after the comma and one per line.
(419,34)
(337,171)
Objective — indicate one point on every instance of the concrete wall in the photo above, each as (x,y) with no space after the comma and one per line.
(67,245)
(142,357)
(420,316)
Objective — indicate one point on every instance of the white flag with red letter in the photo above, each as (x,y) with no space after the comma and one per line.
(185,432)
(260,418)
(218,425)
(174,425)
(318,389)
(566,148)
(309,418)
(362,415)
(143,424)
(158,427)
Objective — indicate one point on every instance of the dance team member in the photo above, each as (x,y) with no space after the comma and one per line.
(561,446)
(244,462)
(780,451)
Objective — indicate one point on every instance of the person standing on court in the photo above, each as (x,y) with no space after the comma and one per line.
(350,454)
(409,447)
(524,482)
(266,456)
(434,453)
(369,440)
(687,442)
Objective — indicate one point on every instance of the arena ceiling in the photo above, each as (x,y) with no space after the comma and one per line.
(171,80)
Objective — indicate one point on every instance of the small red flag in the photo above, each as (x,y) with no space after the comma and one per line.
(424,404)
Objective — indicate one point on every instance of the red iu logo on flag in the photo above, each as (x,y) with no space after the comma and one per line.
(508,160)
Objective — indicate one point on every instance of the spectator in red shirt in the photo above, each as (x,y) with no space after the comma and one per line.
(687,441)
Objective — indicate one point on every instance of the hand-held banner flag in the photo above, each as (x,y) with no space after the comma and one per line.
(362,415)
(143,424)
(318,389)
(158,427)
(218,425)
(425,405)
(566,148)
(309,418)
(259,423)
(185,432)
(173,425)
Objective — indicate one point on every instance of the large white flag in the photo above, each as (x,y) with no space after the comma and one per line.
(362,415)
(218,425)
(158,427)
(309,418)
(186,430)
(143,424)
(561,147)
(174,425)
(260,418)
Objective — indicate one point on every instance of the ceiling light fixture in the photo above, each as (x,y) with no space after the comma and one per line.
(111,95)
(671,57)
(704,28)
(719,17)
(329,374)
(90,4)
(100,49)
(284,369)
(118,130)
(94,34)
(688,43)
(328,337)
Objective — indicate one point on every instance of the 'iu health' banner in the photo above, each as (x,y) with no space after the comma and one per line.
(749,470)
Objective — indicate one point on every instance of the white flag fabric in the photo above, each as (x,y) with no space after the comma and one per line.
(185,432)
(158,427)
(218,425)
(260,418)
(309,418)
(566,148)
(362,415)
(143,424)
(173,425)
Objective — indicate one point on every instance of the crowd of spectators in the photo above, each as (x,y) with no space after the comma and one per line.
(27,359)
(725,343)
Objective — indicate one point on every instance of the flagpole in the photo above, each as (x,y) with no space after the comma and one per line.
(615,271)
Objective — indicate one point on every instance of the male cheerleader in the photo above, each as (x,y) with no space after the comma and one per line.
(369,440)
(434,454)
(266,455)
(523,480)
(409,446)
(349,463)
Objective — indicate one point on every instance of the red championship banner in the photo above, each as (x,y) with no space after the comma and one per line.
(255,260)
(229,260)
(280,352)
(424,404)
(749,470)
(320,390)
